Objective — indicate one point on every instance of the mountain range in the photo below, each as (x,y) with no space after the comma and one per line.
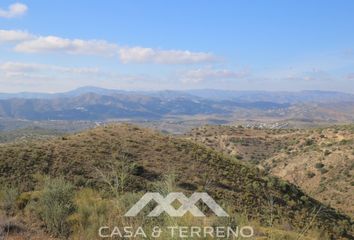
(92,103)
(213,94)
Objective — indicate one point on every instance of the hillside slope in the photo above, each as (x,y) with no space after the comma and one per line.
(242,188)
(320,161)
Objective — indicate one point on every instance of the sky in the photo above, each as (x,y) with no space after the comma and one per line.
(273,45)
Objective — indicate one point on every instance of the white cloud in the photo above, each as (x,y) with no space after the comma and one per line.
(19,68)
(9,67)
(314,74)
(22,76)
(14,36)
(204,74)
(64,45)
(30,43)
(14,10)
(149,55)
(103,48)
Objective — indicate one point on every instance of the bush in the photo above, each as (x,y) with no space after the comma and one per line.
(91,213)
(284,186)
(309,142)
(319,165)
(255,185)
(304,199)
(23,199)
(310,174)
(8,197)
(55,205)
(327,152)
(323,170)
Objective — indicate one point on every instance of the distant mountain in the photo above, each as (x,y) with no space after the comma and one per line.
(73,93)
(278,97)
(92,103)
(211,94)
(92,106)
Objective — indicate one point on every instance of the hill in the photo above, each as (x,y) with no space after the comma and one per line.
(320,161)
(145,157)
(28,134)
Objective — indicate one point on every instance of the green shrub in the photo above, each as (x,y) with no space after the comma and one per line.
(319,165)
(91,213)
(310,174)
(304,199)
(8,197)
(309,142)
(55,205)
(23,200)
(327,152)
(323,170)
(255,185)
(283,185)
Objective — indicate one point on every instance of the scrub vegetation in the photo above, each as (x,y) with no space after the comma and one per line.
(70,186)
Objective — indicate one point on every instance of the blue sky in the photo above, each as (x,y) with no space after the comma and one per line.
(58,45)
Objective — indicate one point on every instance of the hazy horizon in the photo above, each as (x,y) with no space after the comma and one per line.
(177,90)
